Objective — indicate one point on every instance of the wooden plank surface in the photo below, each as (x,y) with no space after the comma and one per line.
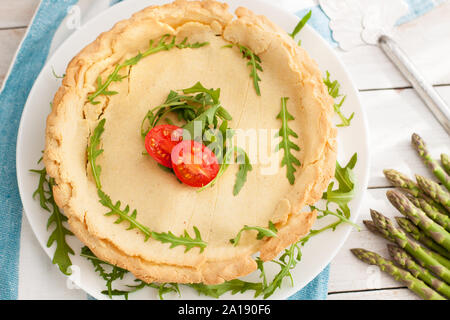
(16,13)
(10,40)
(390,294)
(393,114)
(425,41)
(421,39)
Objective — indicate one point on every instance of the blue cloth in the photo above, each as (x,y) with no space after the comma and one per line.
(319,21)
(29,62)
(316,289)
(26,67)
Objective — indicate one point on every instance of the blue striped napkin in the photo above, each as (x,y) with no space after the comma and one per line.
(29,61)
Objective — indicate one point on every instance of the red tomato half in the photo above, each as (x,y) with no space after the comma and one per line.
(160,141)
(194,163)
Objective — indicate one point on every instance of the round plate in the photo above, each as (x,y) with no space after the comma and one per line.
(317,253)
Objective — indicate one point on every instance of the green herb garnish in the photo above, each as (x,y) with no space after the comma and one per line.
(116,273)
(234,286)
(201,109)
(162,45)
(124,214)
(287,261)
(346,190)
(254,63)
(244,168)
(46,200)
(42,189)
(197,103)
(271,231)
(94,151)
(57,76)
(185,240)
(162,288)
(333,91)
(300,25)
(289,160)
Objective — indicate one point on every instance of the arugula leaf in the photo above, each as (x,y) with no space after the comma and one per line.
(254,63)
(185,240)
(337,214)
(222,169)
(205,118)
(125,293)
(289,160)
(293,255)
(117,273)
(333,91)
(183,44)
(162,288)
(41,189)
(174,103)
(94,151)
(162,45)
(205,112)
(169,237)
(262,232)
(337,109)
(123,214)
(346,190)
(235,286)
(244,168)
(198,87)
(241,175)
(333,86)
(46,200)
(197,104)
(301,24)
(57,76)
(61,255)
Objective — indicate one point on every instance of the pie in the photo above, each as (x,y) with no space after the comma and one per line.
(162,203)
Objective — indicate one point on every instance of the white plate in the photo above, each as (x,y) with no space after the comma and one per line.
(317,253)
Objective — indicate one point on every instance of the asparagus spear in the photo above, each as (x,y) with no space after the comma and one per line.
(404,260)
(411,246)
(419,218)
(384,232)
(445,161)
(387,235)
(419,236)
(434,190)
(398,179)
(437,170)
(415,285)
(430,211)
(378,231)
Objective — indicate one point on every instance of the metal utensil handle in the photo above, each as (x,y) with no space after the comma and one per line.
(426,91)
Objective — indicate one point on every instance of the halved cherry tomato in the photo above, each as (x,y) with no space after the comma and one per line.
(194,163)
(160,141)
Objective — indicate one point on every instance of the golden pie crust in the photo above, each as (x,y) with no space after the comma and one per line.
(162,203)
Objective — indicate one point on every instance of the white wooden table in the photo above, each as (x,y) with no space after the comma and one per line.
(394,111)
